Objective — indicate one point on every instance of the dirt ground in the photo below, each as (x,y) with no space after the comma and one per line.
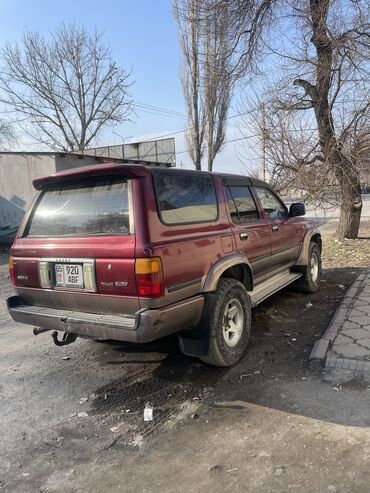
(71,418)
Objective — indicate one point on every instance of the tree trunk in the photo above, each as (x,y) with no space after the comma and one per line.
(210,155)
(351,204)
(345,171)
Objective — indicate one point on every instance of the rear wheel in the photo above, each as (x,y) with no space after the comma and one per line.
(228,324)
(311,278)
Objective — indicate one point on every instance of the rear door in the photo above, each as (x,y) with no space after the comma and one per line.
(77,250)
(285,240)
(252,233)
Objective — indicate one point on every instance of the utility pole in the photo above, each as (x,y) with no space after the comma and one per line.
(263,142)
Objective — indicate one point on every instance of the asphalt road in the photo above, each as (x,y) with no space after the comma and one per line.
(72,417)
(329,213)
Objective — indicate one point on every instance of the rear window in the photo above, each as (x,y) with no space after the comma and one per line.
(185,198)
(93,207)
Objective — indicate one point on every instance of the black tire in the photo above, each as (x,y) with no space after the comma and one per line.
(311,277)
(231,296)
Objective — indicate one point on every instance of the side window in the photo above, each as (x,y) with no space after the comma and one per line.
(241,204)
(185,197)
(273,207)
(232,207)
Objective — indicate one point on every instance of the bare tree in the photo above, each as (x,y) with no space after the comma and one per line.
(334,53)
(188,15)
(7,135)
(251,21)
(205,39)
(319,109)
(68,87)
(217,77)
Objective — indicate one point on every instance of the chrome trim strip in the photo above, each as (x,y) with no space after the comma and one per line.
(45,260)
(286,249)
(259,258)
(183,285)
(65,260)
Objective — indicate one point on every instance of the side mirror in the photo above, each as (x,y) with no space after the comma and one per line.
(297,209)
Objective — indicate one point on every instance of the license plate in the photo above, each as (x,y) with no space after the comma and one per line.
(69,276)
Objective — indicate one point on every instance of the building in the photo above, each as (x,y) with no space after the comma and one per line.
(19,169)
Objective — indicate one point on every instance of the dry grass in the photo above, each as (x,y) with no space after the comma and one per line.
(346,253)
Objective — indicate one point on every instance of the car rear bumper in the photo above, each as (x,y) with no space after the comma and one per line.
(144,326)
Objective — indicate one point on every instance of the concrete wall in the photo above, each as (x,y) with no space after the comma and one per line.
(16,191)
(16,174)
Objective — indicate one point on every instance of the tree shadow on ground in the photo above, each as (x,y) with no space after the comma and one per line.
(275,372)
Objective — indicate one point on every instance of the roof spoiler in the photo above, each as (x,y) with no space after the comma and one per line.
(90,172)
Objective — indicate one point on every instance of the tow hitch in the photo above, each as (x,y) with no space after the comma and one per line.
(67,338)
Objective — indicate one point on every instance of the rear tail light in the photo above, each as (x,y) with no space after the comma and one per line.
(149,277)
(89,276)
(45,274)
(11,270)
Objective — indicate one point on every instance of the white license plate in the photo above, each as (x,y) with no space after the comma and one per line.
(69,276)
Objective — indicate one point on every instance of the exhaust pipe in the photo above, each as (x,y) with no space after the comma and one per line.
(39,330)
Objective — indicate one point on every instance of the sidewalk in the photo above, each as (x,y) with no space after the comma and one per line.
(346,342)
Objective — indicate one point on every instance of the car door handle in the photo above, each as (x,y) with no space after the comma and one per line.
(243,236)
(275,228)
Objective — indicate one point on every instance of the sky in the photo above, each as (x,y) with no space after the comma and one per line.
(143,38)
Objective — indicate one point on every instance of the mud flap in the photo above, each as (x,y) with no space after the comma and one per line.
(192,343)
(195,342)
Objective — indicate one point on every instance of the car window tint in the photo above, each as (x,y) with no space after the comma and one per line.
(273,207)
(185,198)
(232,207)
(241,204)
(94,207)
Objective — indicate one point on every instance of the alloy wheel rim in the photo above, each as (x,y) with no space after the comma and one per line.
(314,267)
(232,322)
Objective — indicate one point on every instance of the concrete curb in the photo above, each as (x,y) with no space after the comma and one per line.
(321,347)
(347,364)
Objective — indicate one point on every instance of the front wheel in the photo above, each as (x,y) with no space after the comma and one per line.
(311,278)
(228,324)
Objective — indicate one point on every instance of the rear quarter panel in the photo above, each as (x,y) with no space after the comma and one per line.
(188,251)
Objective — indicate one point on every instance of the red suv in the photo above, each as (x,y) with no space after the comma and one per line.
(133,253)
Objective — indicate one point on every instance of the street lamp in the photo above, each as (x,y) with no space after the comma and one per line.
(123,141)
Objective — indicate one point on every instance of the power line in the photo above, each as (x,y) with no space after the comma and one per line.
(151,109)
(70,89)
(159,113)
(191,128)
(251,136)
(158,108)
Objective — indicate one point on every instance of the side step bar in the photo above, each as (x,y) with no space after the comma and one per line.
(266,288)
